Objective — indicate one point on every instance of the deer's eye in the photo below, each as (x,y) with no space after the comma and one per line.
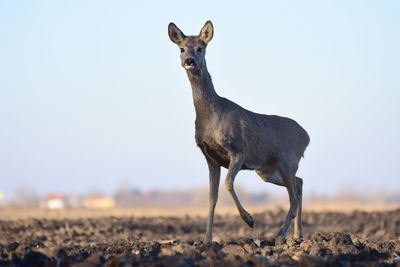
(182,50)
(199,49)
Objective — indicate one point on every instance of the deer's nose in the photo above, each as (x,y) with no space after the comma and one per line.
(189,62)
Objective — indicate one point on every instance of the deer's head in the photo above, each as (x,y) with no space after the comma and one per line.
(193,48)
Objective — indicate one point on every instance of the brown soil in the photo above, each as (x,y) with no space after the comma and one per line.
(330,239)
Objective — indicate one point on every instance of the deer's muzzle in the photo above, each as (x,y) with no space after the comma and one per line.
(189,63)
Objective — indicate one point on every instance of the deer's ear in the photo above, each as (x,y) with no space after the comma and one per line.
(175,34)
(207,32)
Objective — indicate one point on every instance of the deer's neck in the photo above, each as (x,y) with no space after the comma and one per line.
(205,98)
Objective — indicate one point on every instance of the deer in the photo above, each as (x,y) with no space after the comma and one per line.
(235,138)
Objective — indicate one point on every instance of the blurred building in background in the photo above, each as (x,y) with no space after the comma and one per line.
(53,201)
(1,198)
(98,202)
(126,196)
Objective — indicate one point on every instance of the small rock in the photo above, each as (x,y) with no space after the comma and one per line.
(340,238)
(135,251)
(13,246)
(164,242)
(182,248)
(297,255)
(197,243)
(168,252)
(248,248)
(234,250)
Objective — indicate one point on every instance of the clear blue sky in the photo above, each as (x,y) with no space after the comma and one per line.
(92,92)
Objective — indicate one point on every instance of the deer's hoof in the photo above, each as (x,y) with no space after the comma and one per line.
(207,240)
(247,219)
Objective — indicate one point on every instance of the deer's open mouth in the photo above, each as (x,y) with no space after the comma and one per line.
(189,66)
(189,63)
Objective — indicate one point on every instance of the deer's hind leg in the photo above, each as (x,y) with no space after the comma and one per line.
(297,230)
(289,180)
(294,188)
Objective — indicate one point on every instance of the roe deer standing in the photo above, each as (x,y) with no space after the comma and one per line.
(238,139)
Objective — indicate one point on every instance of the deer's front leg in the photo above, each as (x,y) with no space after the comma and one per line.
(236,162)
(215,173)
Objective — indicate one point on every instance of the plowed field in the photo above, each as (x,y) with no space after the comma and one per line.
(330,239)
